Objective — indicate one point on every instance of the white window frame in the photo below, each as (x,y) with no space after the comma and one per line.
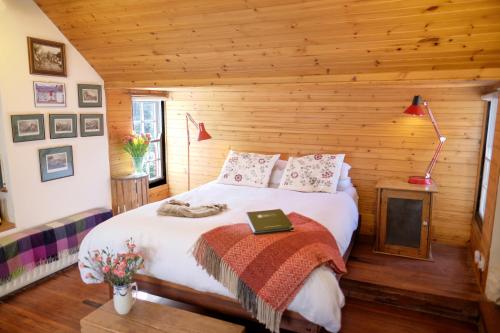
(488,152)
(160,158)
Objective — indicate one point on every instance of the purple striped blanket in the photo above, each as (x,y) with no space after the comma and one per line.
(26,249)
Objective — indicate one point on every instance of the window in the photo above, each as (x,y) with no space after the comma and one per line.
(487,153)
(148,117)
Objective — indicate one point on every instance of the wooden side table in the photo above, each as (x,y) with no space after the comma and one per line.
(129,192)
(151,317)
(404,214)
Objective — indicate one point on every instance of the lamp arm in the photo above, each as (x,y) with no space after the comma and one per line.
(188,120)
(441,138)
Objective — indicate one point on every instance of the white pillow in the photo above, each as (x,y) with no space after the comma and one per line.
(344,184)
(277,173)
(312,173)
(344,172)
(247,169)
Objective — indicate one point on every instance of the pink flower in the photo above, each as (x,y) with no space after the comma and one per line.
(318,156)
(106,269)
(294,174)
(119,273)
(238,178)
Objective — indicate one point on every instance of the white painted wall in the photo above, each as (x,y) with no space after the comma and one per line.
(29,201)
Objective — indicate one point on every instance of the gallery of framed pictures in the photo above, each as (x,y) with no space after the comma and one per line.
(56,162)
(31,127)
(49,94)
(46,57)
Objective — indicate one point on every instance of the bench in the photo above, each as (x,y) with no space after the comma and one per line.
(31,254)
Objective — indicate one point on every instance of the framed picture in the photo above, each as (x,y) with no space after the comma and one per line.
(49,94)
(91,124)
(27,127)
(46,57)
(62,126)
(56,163)
(89,95)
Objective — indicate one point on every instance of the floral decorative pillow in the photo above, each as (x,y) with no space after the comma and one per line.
(313,173)
(247,169)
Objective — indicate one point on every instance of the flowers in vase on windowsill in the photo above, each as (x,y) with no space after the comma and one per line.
(136,145)
(117,269)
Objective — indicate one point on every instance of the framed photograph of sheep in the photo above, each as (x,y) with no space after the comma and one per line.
(91,124)
(27,127)
(56,163)
(46,57)
(62,126)
(89,95)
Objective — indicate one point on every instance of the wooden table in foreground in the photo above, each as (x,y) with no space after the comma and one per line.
(153,318)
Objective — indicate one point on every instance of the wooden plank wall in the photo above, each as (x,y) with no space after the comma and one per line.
(481,235)
(364,121)
(119,118)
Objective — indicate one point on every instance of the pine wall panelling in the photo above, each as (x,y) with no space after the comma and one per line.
(197,42)
(364,121)
(481,236)
(120,124)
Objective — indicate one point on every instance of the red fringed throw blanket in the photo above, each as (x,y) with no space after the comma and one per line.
(265,272)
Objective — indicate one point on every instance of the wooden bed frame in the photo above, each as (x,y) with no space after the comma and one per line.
(291,320)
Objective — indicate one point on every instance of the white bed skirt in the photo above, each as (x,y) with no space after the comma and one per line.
(38,273)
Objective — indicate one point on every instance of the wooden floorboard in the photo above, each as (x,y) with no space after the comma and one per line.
(59,302)
(450,273)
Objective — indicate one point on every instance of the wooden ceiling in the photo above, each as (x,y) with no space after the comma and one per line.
(166,43)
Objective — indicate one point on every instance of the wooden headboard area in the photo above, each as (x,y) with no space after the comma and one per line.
(364,121)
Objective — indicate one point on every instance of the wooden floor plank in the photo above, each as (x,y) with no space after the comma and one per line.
(59,302)
(450,273)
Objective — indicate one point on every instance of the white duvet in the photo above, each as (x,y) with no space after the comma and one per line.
(166,241)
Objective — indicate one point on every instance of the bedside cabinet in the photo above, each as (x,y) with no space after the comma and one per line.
(129,192)
(404,214)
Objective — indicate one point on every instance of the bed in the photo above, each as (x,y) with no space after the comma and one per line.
(172,272)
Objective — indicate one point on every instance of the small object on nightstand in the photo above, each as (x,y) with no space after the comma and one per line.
(129,192)
(404,214)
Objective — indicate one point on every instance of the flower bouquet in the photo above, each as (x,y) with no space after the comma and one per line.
(137,146)
(116,269)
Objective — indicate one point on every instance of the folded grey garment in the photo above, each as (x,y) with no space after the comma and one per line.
(183,209)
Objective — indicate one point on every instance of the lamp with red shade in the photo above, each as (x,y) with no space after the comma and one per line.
(416,110)
(202,135)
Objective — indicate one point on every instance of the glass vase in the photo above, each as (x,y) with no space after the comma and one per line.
(138,165)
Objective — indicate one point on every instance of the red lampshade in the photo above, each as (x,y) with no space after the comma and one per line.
(414,109)
(203,134)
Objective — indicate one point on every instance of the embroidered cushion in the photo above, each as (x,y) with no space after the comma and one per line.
(313,173)
(247,169)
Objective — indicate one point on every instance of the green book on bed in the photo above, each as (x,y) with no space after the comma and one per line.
(267,221)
